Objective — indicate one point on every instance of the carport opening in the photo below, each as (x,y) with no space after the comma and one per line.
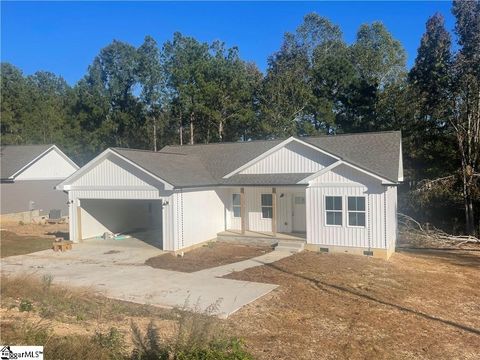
(141,219)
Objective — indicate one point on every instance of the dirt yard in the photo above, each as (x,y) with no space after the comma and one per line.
(423,304)
(16,239)
(210,255)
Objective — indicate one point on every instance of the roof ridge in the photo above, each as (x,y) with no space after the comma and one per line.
(283,139)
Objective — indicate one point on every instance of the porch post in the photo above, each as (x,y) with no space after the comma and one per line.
(274,211)
(242,209)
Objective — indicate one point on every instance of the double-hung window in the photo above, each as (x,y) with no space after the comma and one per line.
(334,210)
(356,211)
(267,206)
(236,205)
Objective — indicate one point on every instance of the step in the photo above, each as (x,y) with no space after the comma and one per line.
(291,246)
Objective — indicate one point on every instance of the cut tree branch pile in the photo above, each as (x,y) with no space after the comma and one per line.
(428,235)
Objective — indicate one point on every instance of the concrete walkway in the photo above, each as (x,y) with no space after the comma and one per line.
(116,269)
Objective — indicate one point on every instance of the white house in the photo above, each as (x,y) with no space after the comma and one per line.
(29,174)
(336,193)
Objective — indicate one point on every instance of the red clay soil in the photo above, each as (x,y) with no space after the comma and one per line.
(417,305)
(208,256)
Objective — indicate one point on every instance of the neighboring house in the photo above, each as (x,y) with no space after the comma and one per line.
(29,174)
(337,193)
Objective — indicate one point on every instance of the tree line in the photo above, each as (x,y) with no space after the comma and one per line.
(186,91)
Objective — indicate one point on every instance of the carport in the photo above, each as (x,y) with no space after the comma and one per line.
(141,219)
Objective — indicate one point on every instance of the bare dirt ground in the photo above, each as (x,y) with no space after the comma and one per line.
(208,256)
(16,239)
(47,230)
(417,305)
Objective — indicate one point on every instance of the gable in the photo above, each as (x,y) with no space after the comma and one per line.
(50,166)
(294,157)
(345,175)
(112,172)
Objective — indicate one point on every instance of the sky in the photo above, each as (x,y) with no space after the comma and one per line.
(64,37)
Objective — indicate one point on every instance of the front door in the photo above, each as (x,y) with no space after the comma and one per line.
(299,213)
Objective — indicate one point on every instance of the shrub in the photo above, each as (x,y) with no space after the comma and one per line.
(199,336)
(25,305)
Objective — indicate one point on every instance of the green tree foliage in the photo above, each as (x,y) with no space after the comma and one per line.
(188,91)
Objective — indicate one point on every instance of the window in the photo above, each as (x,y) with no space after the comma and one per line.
(236,205)
(356,211)
(267,208)
(333,208)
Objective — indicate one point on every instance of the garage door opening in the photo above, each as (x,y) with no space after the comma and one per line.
(141,219)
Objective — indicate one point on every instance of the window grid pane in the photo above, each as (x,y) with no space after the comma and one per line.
(267,212)
(356,211)
(236,211)
(236,199)
(333,203)
(266,199)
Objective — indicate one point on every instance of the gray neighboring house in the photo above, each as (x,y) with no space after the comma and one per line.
(29,174)
(330,193)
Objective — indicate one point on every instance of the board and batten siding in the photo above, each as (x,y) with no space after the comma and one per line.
(253,208)
(199,215)
(345,181)
(292,158)
(111,179)
(50,166)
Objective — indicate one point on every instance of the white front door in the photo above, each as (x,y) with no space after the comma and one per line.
(299,213)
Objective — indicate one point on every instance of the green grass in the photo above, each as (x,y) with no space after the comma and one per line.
(12,244)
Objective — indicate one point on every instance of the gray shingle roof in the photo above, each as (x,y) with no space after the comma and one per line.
(207,164)
(15,157)
(176,169)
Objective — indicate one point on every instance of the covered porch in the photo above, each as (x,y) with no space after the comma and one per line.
(266,212)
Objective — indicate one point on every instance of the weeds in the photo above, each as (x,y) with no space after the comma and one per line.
(25,305)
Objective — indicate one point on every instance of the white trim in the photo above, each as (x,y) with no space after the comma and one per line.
(108,188)
(338,211)
(275,148)
(356,211)
(66,184)
(266,206)
(320,172)
(53,147)
(343,162)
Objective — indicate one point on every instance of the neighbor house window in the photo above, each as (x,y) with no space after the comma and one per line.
(267,208)
(356,211)
(236,205)
(333,208)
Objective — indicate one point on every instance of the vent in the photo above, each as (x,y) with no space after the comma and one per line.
(368,253)
(324,250)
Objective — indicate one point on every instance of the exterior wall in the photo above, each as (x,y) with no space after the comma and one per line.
(292,158)
(345,181)
(114,179)
(113,172)
(16,196)
(50,166)
(253,210)
(99,216)
(391,216)
(200,215)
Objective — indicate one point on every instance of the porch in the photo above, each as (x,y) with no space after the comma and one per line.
(268,213)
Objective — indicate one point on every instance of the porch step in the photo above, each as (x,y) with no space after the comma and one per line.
(290,246)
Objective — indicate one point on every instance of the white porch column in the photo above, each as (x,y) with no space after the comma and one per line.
(242,210)
(274,211)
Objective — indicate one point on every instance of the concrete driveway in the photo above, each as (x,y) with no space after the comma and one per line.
(116,268)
